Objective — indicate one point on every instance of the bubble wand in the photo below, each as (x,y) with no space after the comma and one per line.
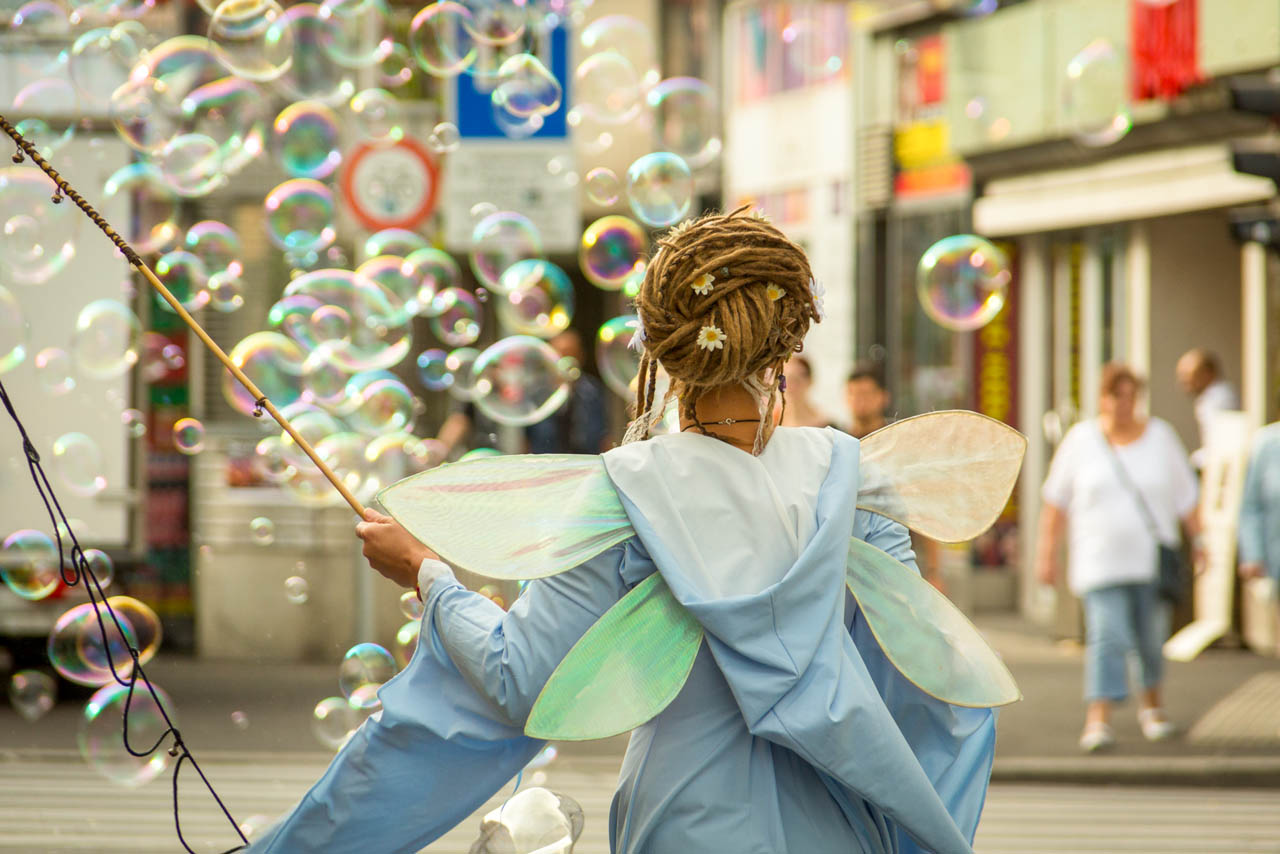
(262,403)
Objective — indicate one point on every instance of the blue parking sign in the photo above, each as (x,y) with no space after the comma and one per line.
(472,95)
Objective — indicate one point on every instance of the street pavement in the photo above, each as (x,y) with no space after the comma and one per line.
(1215,788)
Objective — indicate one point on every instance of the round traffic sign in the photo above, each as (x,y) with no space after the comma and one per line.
(391,185)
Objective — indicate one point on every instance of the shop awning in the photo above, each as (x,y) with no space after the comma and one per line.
(1127,188)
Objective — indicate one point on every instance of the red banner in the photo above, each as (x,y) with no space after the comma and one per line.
(1163,48)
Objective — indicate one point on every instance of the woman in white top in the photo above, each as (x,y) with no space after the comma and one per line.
(1113,551)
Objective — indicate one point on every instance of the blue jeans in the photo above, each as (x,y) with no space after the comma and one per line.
(1117,620)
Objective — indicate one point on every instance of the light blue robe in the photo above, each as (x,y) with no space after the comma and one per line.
(793,732)
(1260,512)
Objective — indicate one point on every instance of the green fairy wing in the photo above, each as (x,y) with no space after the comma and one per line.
(623,671)
(512,517)
(926,637)
(947,474)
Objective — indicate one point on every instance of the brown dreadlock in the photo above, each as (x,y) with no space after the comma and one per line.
(761,299)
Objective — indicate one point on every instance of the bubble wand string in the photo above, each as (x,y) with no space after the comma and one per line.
(62,188)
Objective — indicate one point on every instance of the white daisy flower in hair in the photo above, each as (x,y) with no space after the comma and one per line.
(773,292)
(757,213)
(819,294)
(702,285)
(711,338)
(637,338)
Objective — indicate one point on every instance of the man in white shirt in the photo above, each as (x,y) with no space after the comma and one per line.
(1200,375)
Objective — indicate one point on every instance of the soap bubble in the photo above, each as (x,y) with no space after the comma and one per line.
(603,186)
(262,531)
(495,22)
(32,693)
(358,33)
(434,270)
(29,564)
(455,317)
(396,69)
(444,138)
(1095,106)
(306,139)
(607,89)
(544,758)
(75,646)
(296,590)
(272,362)
(153,202)
(519,381)
(134,422)
(812,48)
(106,339)
(365,664)
(99,63)
(226,292)
(526,87)
(392,241)
(616,359)
(186,278)
(611,251)
(538,298)
(629,38)
(300,215)
(498,241)
(393,456)
(410,605)
(433,370)
(385,403)
(53,370)
(56,100)
(687,119)
(239,720)
(364,701)
(37,237)
(395,274)
(962,282)
(188,436)
(43,18)
(379,323)
(440,40)
(252,38)
(407,641)
(102,741)
(144,623)
(101,565)
(333,722)
(313,73)
(13,332)
(515,127)
(271,461)
(234,113)
(660,188)
(216,245)
(377,115)
(77,461)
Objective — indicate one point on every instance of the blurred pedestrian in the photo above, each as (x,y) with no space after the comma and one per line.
(1200,375)
(800,411)
(1119,485)
(867,399)
(1260,513)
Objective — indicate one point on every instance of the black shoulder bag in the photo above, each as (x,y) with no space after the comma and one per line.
(1173,573)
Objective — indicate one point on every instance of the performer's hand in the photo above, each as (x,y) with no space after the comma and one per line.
(391,550)
(1251,570)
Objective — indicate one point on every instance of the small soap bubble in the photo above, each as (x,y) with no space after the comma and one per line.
(239,720)
(538,298)
(101,565)
(300,215)
(410,605)
(444,138)
(32,693)
(526,87)
(603,186)
(687,119)
(262,531)
(611,251)
(377,115)
(78,462)
(1095,95)
(106,339)
(962,282)
(440,38)
(660,188)
(365,664)
(407,641)
(498,241)
(618,361)
(518,381)
(29,564)
(53,370)
(333,721)
(135,422)
(188,436)
(226,292)
(433,370)
(296,589)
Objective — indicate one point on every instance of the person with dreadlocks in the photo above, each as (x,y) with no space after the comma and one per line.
(791,728)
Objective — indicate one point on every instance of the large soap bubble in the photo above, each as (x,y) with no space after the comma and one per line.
(300,215)
(37,237)
(612,251)
(607,89)
(379,323)
(1095,104)
(538,298)
(660,188)
(520,380)
(498,241)
(687,119)
(252,38)
(962,282)
(306,140)
(440,38)
(106,339)
(273,363)
(77,460)
(616,358)
(102,741)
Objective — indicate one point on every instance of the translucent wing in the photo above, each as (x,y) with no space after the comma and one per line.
(947,474)
(512,517)
(928,640)
(623,671)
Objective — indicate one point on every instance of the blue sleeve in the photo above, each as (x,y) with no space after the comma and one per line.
(954,745)
(450,732)
(1253,532)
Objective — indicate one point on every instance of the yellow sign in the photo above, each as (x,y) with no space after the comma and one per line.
(922,144)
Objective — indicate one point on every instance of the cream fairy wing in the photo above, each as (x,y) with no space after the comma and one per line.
(926,637)
(946,474)
(625,670)
(512,517)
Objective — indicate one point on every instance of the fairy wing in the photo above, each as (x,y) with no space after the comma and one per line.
(947,474)
(512,517)
(625,670)
(926,637)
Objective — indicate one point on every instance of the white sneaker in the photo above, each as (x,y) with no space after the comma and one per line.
(1097,737)
(1155,726)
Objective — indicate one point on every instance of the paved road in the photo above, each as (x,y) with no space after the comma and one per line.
(53,804)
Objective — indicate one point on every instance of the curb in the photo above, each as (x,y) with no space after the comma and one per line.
(1224,771)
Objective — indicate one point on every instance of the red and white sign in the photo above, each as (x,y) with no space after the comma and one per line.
(391,185)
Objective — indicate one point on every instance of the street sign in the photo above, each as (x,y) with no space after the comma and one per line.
(390,185)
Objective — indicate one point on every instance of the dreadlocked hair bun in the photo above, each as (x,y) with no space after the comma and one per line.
(726,300)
